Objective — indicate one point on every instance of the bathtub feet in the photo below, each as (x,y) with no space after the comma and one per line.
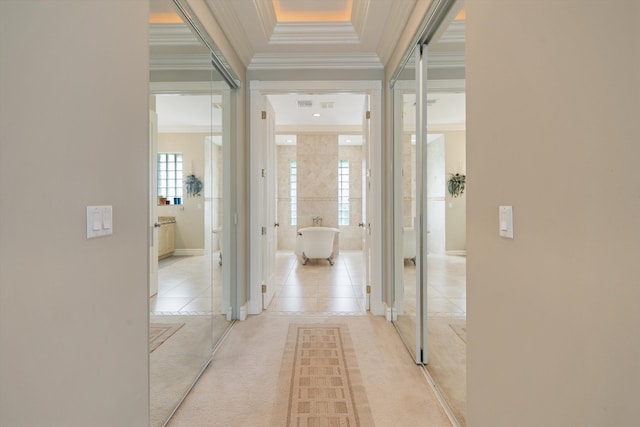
(305,260)
(330,259)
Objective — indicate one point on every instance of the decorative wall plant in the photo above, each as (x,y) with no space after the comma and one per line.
(193,185)
(456,184)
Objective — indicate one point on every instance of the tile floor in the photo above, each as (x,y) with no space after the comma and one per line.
(319,287)
(187,285)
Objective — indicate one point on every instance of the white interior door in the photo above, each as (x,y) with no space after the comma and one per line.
(269,204)
(365,224)
(153,203)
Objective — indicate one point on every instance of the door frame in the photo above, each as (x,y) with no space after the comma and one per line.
(259,89)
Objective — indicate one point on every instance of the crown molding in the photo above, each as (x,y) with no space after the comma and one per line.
(314,33)
(398,16)
(187,88)
(188,61)
(228,20)
(359,15)
(455,33)
(446,60)
(172,35)
(288,61)
(267,16)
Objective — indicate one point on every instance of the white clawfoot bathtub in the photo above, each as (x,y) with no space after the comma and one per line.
(316,242)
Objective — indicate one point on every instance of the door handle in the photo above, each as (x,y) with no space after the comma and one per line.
(361,224)
(276,224)
(157,225)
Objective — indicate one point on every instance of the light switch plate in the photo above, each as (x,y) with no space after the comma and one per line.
(99,221)
(506,221)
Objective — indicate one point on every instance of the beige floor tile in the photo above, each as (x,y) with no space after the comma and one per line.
(338,305)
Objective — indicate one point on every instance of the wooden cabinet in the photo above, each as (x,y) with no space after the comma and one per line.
(166,239)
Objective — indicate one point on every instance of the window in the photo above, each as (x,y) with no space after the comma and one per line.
(343,192)
(293,192)
(170,177)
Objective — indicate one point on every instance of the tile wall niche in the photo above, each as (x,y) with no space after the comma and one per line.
(316,157)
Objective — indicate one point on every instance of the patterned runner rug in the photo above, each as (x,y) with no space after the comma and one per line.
(320,383)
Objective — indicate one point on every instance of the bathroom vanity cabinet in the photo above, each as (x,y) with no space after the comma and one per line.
(166,238)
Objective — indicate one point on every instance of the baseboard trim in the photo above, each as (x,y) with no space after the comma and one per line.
(457,253)
(244,309)
(188,252)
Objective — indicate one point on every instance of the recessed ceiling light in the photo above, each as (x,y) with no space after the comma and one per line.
(289,140)
(316,114)
(348,140)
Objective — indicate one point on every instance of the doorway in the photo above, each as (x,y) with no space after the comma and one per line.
(321,174)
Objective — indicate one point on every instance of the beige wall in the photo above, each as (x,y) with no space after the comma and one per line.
(189,215)
(553,96)
(74,132)
(456,207)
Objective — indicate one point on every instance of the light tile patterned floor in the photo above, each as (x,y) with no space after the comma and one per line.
(186,286)
(319,287)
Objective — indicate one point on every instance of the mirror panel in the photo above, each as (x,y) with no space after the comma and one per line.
(189,283)
(405,222)
(429,307)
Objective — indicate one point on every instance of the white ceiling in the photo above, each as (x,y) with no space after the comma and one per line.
(338,109)
(263,42)
(365,40)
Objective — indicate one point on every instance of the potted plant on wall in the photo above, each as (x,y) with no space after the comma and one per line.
(456,184)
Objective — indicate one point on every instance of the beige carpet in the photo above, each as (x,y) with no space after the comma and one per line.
(160,332)
(320,383)
(241,386)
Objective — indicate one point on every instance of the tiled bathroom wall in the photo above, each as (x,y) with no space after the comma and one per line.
(317,160)
(316,157)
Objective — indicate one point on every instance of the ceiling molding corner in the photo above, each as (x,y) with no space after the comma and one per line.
(359,15)
(267,16)
(225,15)
(394,26)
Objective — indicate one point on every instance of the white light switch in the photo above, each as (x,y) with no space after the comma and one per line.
(99,221)
(506,221)
(96,220)
(107,218)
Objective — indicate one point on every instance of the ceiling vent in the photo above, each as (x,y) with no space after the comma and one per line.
(326,104)
(305,103)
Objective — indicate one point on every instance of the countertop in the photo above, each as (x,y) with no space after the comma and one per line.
(166,219)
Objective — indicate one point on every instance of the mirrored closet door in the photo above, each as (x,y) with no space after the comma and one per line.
(429,307)
(190,297)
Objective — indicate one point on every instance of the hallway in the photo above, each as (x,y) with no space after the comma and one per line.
(318,287)
(240,387)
